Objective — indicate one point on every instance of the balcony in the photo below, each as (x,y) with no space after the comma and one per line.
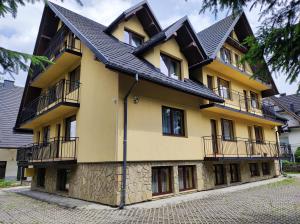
(59,100)
(217,148)
(236,104)
(64,51)
(57,150)
(286,151)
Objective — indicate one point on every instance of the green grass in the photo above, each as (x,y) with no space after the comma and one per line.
(292,172)
(7,183)
(284,182)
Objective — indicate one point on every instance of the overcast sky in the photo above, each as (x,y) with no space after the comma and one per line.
(20,34)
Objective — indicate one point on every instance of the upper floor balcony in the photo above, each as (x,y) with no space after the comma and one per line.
(64,51)
(59,150)
(57,101)
(219,148)
(240,104)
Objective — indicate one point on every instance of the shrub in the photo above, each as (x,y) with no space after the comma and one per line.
(6,183)
(297,155)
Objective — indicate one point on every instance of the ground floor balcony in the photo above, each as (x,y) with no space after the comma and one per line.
(220,148)
(56,150)
(59,100)
(238,104)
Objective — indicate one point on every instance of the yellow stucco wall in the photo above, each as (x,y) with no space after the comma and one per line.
(133,24)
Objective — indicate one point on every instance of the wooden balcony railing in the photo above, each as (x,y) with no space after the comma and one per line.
(239,101)
(61,92)
(56,149)
(218,147)
(64,40)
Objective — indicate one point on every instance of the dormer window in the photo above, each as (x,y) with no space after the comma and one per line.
(170,67)
(226,55)
(133,39)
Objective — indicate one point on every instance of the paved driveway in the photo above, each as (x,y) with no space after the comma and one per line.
(273,203)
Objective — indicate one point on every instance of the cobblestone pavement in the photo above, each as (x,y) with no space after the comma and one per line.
(273,203)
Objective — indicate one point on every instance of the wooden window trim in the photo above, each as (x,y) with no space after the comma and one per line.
(171,122)
(159,180)
(232,130)
(259,139)
(219,80)
(174,59)
(254,96)
(184,167)
(131,32)
(68,120)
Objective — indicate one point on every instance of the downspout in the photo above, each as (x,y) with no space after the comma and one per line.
(278,151)
(124,163)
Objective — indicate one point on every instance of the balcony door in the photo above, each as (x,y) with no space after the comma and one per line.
(250,137)
(246,100)
(214,134)
(57,140)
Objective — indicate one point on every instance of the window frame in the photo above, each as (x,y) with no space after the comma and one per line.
(266,170)
(68,122)
(221,88)
(40,177)
(63,179)
(236,168)
(223,174)
(185,168)
(159,180)
(172,110)
(232,132)
(132,34)
(168,66)
(74,84)
(259,134)
(223,52)
(254,172)
(254,98)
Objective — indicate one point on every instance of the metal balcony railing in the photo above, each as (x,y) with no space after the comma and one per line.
(239,101)
(63,91)
(218,147)
(56,149)
(285,151)
(63,40)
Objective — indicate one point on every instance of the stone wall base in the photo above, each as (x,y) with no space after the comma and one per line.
(101,182)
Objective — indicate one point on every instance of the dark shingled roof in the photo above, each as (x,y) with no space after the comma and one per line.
(289,100)
(213,37)
(10,98)
(119,56)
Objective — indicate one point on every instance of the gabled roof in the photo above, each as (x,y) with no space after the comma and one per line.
(10,97)
(214,37)
(184,34)
(119,56)
(290,104)
(144,13)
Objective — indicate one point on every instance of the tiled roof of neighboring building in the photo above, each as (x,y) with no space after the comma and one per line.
(10,98)
(291,101)
(119,56)
(213,37)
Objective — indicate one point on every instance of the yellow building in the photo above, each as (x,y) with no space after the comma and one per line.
(132,112)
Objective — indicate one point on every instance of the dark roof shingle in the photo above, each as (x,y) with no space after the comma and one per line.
(10,98)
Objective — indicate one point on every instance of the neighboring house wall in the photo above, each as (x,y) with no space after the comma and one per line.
(9,156)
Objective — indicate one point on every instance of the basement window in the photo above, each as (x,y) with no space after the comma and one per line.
(219,174)
(40,178)
(161,180)
(63,179)
(254,172)
(265,168)
(186,178)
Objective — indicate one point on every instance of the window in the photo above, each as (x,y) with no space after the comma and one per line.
(70,128)
(186,177)
(238,63)
(46,135)
(74,78)
(265,168)
(234,172)
(161,180)
(225,55)
(254,100)
(40,178)
(219,174)
(2,169)
(210,82)
(224,88)
(227,130)
(172,121)
(63,178)
(259,137)
(133,39)
(170,67)
(254,169)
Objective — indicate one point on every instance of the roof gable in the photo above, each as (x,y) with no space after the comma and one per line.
(186,38)
(145,15)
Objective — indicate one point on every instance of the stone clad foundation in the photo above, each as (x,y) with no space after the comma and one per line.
(101,182)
